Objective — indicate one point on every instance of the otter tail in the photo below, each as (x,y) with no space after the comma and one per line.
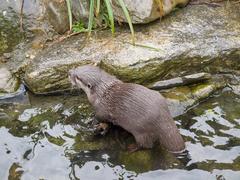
(169,135)
(172,141)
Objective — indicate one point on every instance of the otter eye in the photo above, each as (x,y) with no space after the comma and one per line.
(78,78)
(89,86)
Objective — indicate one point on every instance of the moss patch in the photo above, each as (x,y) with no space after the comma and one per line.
(9,35)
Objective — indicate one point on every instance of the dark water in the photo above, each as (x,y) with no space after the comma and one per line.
(52,139)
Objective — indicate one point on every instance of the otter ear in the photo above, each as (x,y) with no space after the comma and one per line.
(89,86)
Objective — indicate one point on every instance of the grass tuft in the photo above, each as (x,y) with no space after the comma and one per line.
(100,15)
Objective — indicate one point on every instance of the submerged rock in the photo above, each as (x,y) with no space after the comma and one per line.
(195,39)
(180,81)
(11,91)
(149,159)
(182,98)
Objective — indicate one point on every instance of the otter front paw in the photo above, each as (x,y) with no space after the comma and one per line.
(133,148)
(101,128)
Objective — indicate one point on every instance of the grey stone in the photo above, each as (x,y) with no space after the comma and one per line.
(195,39)
(236,89)
(7,55)
(57,15)
(8,83)
(145,11)
(18,97)
(80,10)
(43,15)
(180,81)
(31,7)
(182,98)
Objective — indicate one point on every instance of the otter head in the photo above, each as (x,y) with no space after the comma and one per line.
(91,79)
(85,77)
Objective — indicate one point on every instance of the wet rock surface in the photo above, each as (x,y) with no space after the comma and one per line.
(182,98)
(11,91)
(8,83)
(195,39)
(180,81)
(19,96)
(10,35)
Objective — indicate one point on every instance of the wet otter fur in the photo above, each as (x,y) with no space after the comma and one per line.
(141,111)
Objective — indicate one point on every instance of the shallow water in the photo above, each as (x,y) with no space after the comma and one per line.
(51,138)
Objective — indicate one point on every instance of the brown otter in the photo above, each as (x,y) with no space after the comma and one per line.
(141,111)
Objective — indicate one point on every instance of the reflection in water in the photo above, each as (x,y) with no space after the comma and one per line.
(52,139)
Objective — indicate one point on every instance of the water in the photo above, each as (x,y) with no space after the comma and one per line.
(52,139)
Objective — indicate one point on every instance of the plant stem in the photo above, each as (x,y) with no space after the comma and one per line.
(91,16)
(21,16)
(110,14)
(126,13)
(69,4)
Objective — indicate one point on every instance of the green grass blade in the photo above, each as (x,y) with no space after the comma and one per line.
(126,13)
(98,7)
(110,15)
(91,16)
(69,3)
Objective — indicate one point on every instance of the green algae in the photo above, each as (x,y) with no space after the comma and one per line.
(88,143)
(157,69)
(10,35)
(15,172)
(181,93)
(143,158)
(59,81)
(55,140)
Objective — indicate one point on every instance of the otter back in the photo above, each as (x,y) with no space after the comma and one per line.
(142,112)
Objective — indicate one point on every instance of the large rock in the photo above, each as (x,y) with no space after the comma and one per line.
(30,8)
(183,97)
(8,83)
(33,12)
(42,15)
(11,91)
(10,34)
(195,39)
(144,11)
(80,10)
(57,14)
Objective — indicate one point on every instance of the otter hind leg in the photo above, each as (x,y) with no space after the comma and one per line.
(144,140)
(173,142)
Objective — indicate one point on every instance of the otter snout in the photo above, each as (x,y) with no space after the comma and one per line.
(70,72)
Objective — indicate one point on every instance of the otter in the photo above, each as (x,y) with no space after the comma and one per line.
(140,111)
